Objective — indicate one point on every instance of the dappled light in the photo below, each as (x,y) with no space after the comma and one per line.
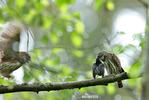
(74,49)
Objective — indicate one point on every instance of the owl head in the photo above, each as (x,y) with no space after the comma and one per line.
(102,55)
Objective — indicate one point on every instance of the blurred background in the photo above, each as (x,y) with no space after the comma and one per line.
(68,34)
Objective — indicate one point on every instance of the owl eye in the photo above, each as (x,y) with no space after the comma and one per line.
(100,55)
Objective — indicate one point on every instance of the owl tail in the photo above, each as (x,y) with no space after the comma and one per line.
(120,84)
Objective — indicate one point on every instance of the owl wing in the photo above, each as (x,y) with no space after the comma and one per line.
(117,63)
(6,68)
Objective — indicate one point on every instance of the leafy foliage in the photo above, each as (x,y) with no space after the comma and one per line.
(64,45)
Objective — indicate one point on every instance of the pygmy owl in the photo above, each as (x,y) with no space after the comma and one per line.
(10,60)
(112,64)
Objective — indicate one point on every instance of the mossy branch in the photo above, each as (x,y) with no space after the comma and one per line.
(37,87)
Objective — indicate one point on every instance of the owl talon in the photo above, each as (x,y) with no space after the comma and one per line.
(111,75)
(10,77)
(7,75)
(107,75)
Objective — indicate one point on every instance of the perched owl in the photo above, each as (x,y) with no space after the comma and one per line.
(10,60)
(112,64)
(98,68)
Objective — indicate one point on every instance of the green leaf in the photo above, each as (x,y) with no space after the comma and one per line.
(76,40)
(90,60)
(47,62)
(118,49)
(135,69)
(138,36)
(100,90)
(77,53)
(30,15)
(47,22)
(61,2)
(132,82)
(57,50)
(20,3)
(27,77)
(130,47)
(110,5)
(82,90)
(39,6)
(52,61)
(8,96)
(26,95)
(45,39)
(121,32)
(64,8)
(45,2)
(142,43)
(111,89)
(66,70)
(54,38)
(76,15)
(66,16)
(98,4)
(79,27)
(37,52)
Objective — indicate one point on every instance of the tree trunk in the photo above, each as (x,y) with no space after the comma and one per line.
(145,84)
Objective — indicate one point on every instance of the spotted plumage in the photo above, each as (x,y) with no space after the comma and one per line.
(10,60)
(112,64)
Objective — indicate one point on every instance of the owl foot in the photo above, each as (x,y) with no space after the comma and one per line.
(10,77)
(111,75)
(7,75)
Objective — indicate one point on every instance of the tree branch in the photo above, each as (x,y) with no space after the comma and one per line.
(36,87)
